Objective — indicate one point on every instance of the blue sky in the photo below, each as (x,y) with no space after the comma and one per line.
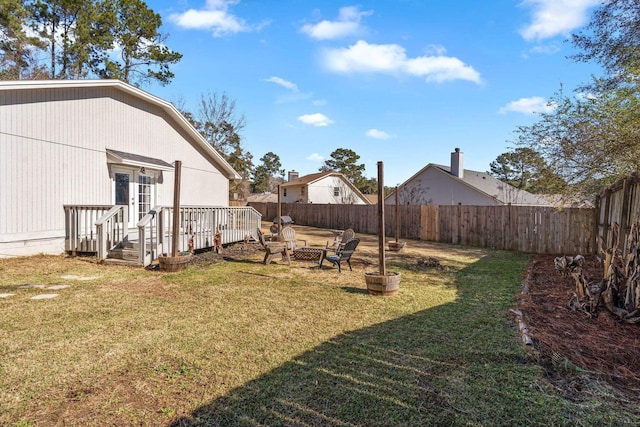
(399,81)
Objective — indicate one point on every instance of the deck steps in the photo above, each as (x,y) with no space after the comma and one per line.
(126,253)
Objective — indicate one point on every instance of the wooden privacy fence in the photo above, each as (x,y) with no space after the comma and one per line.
(539,230)
(618,204)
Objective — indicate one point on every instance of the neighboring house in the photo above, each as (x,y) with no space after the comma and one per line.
(94,142)
(453,185)
(322,187)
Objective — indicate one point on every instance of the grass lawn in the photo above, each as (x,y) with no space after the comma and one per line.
(242,343)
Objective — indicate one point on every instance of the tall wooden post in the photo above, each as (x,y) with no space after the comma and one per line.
(176,208)
(397,220)
(383,268)
(279,214)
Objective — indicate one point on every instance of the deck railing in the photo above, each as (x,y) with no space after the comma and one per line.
(80,230)
(198,227)
(98,229)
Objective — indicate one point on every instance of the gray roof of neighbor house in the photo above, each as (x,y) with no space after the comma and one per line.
(496,188)
(488,185)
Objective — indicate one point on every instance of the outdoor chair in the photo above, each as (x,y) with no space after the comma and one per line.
(289,237)
(347,235)
(272,249)
(341,255)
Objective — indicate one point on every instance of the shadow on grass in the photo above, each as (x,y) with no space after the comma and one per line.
(460,363)
(353,290)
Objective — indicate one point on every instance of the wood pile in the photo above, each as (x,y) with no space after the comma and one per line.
(619,289)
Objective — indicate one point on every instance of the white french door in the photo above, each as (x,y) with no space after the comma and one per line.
(135,188)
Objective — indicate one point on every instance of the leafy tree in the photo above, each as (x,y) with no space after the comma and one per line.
(269,174)
(17,49)
(143,54)
(75,31)
(242,162)
(369,186)
(345,161)
(219,122)
(91,39)
(612,40)
(526,169)
(589,141)
(593,138)
(80,36)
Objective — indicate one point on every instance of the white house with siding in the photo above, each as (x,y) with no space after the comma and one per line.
(94,142)
(322,187)
(452,185)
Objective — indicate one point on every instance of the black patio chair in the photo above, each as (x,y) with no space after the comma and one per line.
(341,255)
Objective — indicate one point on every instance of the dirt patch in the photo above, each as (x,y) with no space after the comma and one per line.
(236,251)
(570,340)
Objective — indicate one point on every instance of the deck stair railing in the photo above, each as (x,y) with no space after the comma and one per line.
(112,229)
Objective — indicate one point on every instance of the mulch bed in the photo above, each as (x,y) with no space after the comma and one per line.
(599,344)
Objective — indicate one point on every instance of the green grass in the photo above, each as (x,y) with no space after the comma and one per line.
(241,343)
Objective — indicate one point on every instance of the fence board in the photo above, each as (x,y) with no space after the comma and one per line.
(530,229)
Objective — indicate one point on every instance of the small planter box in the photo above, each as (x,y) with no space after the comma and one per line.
(168,263)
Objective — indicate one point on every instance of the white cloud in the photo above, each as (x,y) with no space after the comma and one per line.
(435,49)
(555,17)
(533,105)
(546,49)
(315,157)
(347,24)
(284,83)
(214,16)
(392,59)
(377,134)
(319,102)
(316,119)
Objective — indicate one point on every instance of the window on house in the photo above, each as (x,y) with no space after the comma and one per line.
(284,192)
(144,195)
(336,191)
(302,190)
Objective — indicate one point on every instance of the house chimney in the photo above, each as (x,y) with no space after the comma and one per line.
(457,163)
(293,175)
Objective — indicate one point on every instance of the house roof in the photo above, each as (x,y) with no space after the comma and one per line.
(137,160)
(487,184)
(373,198)
(214,157)
(311,178)
(308,179)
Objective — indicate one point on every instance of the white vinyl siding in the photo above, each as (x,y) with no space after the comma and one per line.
(53,152)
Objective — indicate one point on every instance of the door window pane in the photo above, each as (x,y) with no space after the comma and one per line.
(144,195)
(122,189)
